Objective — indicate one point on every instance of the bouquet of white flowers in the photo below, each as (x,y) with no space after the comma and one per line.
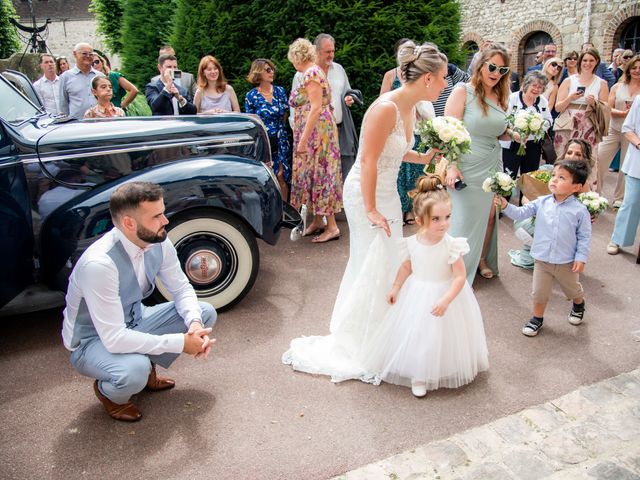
(527,123)
(595,203)
(447,134)
(500,183)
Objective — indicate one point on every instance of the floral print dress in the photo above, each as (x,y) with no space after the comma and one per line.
(316,177)
(272,115)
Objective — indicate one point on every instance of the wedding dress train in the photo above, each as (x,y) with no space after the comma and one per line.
(373,262)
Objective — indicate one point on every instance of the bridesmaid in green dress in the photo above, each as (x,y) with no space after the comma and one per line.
(481,104)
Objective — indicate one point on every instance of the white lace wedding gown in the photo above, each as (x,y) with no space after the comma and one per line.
(374,258)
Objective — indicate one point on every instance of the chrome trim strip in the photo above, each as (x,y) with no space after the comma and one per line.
(236,141)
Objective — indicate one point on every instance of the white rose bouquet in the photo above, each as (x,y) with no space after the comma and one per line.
(595,203)
(447,134)
(527,123)
(500,183)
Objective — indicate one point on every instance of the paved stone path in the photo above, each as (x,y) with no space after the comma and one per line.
(592,432)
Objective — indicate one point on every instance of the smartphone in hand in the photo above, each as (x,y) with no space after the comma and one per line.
(581,90)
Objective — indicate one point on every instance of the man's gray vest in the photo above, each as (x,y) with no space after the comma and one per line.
(130,293)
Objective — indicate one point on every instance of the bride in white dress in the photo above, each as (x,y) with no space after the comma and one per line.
(374,215)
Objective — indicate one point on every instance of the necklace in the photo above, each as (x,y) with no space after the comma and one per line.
(266,94)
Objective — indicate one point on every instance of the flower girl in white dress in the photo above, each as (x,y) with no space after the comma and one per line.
(433,335)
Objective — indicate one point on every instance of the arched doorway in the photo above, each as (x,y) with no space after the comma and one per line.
(534,43)
(469,49)
(630,38)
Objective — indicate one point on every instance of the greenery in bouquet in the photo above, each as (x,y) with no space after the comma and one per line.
(527,123)
(446,134)
(500,183)
(543,176)
(595,203)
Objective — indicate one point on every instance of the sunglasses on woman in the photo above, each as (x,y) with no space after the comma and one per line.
(555,65)
(575,59)
(268,70)
(96,62)
(501,70)
(627,57)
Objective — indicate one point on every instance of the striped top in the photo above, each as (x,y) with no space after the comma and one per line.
(454,76)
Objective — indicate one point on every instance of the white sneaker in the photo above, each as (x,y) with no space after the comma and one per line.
(613,248)
(419,389)
(617,204)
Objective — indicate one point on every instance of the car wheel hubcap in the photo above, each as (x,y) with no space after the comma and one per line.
(203,267)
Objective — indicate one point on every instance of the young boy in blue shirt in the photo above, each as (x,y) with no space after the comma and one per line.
(560,242)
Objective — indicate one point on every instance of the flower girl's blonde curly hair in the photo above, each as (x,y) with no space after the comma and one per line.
(430,191)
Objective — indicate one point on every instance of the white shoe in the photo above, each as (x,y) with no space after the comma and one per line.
(613,248)
(419,389)
(617,204)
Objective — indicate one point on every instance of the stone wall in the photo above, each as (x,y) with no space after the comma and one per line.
(511,22)
(65,33)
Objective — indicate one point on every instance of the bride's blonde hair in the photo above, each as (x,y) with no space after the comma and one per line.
(430,191)
(416,60)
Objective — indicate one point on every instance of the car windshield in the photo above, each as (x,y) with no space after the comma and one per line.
(14,108)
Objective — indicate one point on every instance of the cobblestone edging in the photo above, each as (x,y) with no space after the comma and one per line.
(592,432)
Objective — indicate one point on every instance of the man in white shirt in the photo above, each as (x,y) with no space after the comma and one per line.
(48,86)
(113,337)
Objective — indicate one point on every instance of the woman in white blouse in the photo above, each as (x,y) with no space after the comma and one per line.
(528,98)
(626,226)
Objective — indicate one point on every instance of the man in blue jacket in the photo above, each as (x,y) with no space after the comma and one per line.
(166,97)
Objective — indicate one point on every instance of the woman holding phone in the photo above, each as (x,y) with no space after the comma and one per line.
(620,100)
(575,94)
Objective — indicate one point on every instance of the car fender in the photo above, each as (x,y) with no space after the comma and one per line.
(236,185)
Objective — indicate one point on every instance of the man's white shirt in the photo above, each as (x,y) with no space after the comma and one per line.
(95,279)
(49,93)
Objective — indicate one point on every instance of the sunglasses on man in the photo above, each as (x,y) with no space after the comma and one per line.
(492,67)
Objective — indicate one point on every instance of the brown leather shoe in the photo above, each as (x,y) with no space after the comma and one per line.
(156,383)
(127,412)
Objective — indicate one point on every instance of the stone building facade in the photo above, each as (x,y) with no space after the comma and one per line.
(524,26)
(71,23)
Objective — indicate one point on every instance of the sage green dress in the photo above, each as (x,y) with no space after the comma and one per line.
(471,206)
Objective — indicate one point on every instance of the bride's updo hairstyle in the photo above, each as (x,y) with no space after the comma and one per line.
(429,191)
(416,60)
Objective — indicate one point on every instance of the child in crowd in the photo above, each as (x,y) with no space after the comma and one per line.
(561,240)
(433,335)
(103,91)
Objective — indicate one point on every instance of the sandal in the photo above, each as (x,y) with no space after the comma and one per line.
(330,236)
(485,271)
(407,220)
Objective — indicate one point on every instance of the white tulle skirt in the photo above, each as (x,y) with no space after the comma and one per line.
(412,344)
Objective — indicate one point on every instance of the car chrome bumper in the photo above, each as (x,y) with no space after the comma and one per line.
(290,217)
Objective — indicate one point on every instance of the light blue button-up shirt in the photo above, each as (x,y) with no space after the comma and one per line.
(562,229)
(75,92)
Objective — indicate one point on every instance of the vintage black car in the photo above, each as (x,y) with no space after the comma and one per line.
(56,177)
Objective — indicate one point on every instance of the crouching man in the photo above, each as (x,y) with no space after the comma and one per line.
(112,336)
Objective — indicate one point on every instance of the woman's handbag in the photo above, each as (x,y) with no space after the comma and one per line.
(564,121)
(548,152)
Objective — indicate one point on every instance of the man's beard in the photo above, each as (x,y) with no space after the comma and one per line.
(149,236)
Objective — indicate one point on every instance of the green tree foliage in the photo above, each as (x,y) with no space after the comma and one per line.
(109,14)
(365,32)
(9,40)
(145,28)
